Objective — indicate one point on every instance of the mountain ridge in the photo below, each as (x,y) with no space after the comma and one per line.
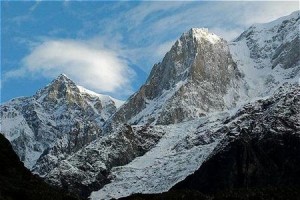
(176,121)
(61,114)
(198,57)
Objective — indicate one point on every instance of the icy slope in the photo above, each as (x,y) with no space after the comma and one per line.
(260,148)
(62,114)
(88,169)
(178,153)
(185,146)
(269,54)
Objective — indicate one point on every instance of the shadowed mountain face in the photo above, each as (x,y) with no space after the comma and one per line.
(17,182)
(258,157)
(269,193)
(260,149)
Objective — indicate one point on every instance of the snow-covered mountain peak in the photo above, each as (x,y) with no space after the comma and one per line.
(202,34)
(268,54)
(56,121)
(63,79)
(58,88)
(63,89)
(106,99)
(192,79)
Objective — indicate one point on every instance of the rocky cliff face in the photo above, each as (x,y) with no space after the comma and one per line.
(192,80)
(89,168)
(58,120)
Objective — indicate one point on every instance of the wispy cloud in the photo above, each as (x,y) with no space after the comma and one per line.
(89,65)
(123,34)
(263,12)
(37,3)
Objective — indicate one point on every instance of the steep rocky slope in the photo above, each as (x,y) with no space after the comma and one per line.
(258,157)
(198,61)
(193,79)
(58,120)
(256,146)
(89,168)
(16,182)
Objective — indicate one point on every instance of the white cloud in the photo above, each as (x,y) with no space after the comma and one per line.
(93,67)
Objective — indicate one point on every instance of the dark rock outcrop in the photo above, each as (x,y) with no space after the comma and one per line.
(16,182)
(261,148)
(89,169)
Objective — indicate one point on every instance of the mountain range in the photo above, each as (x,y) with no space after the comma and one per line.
(212,116)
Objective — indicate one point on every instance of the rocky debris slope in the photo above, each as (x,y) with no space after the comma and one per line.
(16,182)
(89,168)
(178,153)
(58,120)
(260,148)
(192,80)
(249,134)
(254,155)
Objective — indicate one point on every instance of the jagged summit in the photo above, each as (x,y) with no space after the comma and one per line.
(58,88)
(56,121)
(192,79)
(202,34)
(63,79)
(62,76)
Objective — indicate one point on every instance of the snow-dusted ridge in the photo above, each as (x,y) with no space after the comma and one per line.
(268,54)
(61,115)
(200,33)
(105,99)
(255,53)
(168,128)
(178,153)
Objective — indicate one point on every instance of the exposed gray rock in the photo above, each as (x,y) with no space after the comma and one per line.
(55,122)
(192,79)
(88,169)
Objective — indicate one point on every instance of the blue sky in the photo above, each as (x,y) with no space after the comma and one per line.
(108,47)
